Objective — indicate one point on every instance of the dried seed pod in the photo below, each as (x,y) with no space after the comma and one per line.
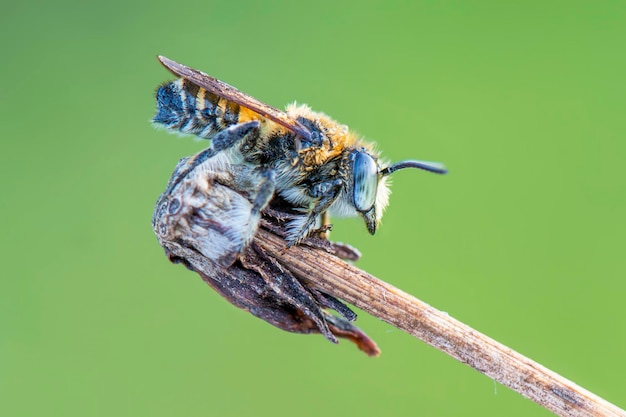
(196,221)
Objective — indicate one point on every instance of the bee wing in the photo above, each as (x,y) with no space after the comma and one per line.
(230,93)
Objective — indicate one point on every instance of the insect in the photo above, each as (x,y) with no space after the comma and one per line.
(197,221)
(304,157)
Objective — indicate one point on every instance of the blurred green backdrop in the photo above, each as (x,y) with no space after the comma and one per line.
(524,240)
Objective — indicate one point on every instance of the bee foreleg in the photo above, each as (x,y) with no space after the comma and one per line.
(241,133)
(325,227)
(323,189)
(326,193)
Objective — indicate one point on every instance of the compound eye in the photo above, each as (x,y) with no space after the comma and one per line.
(365,181)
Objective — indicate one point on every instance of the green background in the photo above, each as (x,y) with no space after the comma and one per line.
(523,240)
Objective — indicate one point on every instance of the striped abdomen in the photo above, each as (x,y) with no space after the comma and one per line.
(187,108)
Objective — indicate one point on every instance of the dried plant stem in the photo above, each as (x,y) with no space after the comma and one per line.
(330,274)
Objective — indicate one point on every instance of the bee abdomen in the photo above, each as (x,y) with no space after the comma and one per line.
(187,108)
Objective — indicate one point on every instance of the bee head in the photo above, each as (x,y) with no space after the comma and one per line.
(369,191)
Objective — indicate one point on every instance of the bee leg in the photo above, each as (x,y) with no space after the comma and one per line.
(325,219)
(244,133)
(326,192)
(325,227)
(266,192)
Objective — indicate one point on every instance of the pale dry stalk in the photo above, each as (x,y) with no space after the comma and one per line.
(333,276)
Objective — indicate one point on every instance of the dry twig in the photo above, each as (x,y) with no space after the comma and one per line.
(333,276)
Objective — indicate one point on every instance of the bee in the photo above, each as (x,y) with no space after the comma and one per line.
(306,158)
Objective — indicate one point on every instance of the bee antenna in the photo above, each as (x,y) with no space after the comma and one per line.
(434,167)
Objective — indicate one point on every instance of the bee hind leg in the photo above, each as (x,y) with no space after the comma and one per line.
(242,133)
